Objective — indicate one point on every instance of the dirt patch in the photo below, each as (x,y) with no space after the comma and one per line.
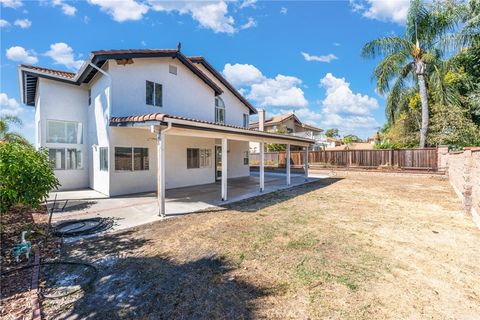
(15,288)
(356,246)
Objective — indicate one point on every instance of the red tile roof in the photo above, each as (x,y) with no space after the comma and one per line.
(58,73)
(161,117)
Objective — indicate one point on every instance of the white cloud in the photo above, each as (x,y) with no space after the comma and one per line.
(281,92)
(392,10)
(11,3)
(23,23)
(327,58)
(249,24)
(241,75)
(4,23)
(66,8)
(248,3)
(210,15)
(9,106)
(62,53)
(19,54)
(345,109)
(121,11)
(340,97)
(336,44)
(283,10)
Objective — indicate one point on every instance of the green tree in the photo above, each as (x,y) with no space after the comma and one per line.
(411,57)
(332,133)
(351,138)
(26,175)
(8,136)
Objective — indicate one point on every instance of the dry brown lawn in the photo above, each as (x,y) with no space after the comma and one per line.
(358,246)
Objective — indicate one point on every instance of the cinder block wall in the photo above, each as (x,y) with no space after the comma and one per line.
(475,177)
(463,170)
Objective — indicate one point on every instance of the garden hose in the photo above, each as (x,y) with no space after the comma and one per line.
(90,281)
(101,225)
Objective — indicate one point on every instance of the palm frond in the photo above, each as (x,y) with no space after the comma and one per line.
(389,68)
(386,46)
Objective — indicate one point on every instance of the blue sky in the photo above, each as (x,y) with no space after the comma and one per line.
(283,56)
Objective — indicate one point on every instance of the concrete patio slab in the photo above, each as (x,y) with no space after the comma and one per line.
(137,209)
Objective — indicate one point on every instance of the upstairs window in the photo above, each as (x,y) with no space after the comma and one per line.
(153,94)
(219,110)
(89,97)
(64,132)
(246,120)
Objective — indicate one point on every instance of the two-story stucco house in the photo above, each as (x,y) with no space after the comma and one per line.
(289,124)
(133,121)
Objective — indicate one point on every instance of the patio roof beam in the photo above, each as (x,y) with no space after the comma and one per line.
(287,163)
(262,166)
(224,168)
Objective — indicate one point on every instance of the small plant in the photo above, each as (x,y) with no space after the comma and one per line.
(26,175)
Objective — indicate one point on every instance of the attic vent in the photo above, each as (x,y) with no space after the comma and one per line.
(172,69)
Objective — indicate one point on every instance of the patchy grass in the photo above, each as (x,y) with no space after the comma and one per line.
(364,246)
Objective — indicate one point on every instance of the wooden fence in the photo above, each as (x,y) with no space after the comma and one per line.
(402,159)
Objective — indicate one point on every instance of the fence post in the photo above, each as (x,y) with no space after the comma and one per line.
(391,158)
(467,180)
(349,153)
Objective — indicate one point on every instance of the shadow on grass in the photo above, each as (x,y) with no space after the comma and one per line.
(157,287)
(263,201)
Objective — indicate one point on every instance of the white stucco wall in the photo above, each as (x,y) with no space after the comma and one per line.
(60,101)
(125,182)
(234,108)
(177,174)
(236,153)
(98,131)
(184,94)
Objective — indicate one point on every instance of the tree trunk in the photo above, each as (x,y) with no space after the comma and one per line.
(424,99)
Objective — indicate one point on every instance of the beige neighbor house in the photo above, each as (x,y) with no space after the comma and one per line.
(288,124)
(132,121)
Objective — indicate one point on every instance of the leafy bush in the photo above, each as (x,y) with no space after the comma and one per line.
(26,175)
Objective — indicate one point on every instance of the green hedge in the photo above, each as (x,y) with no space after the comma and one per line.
(26,176)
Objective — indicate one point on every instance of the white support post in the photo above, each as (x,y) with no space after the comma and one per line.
(306,163)
(262,166)
(161,172)
(287,163)
(224,168)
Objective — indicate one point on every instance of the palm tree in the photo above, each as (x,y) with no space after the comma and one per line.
(409,59)
(6,135)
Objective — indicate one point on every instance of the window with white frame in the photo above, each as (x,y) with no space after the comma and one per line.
(246,157)
(103,153)
(198,158)
(205,156)
(153,94)
(57,158)
(246,120)
(219,110)
(65,158)
(59,131)
(131,159)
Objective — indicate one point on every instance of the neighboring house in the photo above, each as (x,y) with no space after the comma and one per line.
(353,146)
(133,121)
(289,124)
